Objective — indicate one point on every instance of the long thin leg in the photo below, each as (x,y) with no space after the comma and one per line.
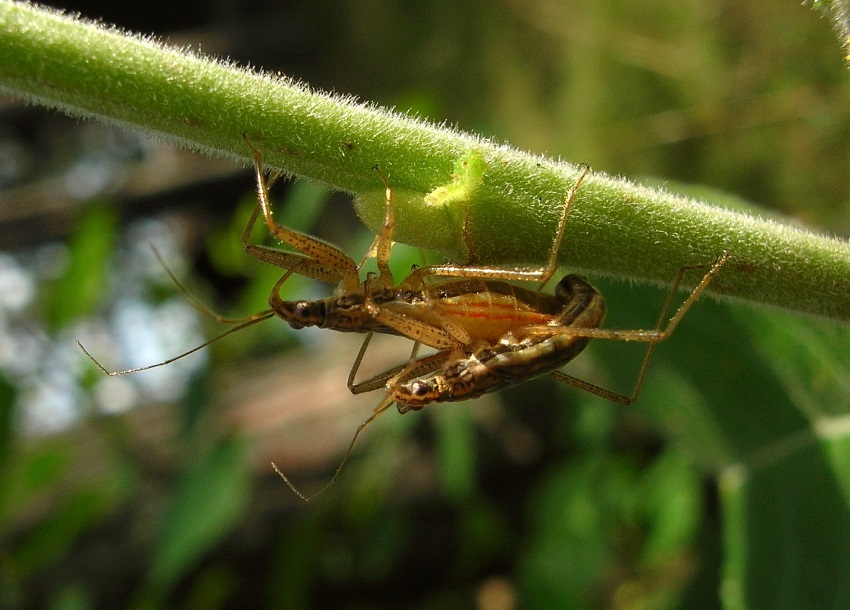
(384,239)
(644,336)
(323,253)
(193,301)
(385,404)
(674,321)
(283,259)
(590,388)
(354,388)
(543,274)
(415,367)
(240,323)
(653,337)
(412,327)
(379,380)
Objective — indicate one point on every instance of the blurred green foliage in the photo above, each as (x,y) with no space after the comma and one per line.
(82,284)
(726,484)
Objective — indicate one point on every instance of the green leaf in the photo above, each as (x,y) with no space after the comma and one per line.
(763,400)
(81,287)
(210,499)
(568,547)
(786,502)
(456,452)
(787,535)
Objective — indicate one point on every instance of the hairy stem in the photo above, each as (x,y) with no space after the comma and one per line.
(442,178)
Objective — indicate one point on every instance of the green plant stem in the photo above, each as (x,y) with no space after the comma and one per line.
(839,12)
(511,208)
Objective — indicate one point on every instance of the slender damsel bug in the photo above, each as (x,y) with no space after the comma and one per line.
(488,334)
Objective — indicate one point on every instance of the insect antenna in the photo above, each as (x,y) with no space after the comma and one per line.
(256,318)
(399,374)
(241,323)
(192,299)
(385,404)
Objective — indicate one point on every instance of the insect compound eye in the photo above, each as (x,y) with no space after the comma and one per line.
(302,309)
(303,313)
(574,287)
(564,289)
(420,388)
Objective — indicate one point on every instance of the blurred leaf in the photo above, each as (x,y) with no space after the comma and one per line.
(211,589)
(483,535)
(8,394)
(370,474)
(194,409)
(73,597)
(764,399)
(52,496)
(787,535)
(786,501)
(670,507)
(82,285)
(209,500)
(296,559)
(599,516)
(29,477)
(568,546)
(809,358)
(456,450)
(54,535)
(385,543)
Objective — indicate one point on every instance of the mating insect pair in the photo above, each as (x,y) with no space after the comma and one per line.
(488,334)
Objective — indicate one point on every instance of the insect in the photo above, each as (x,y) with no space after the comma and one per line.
(425,306)
(523,353)
(531,351)
(488,333)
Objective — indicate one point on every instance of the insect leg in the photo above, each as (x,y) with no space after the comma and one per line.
(674,321)
(655,335)
(325,256)
(410,326)
(193,301)
(542,275)
(592,389)
(355,388)
(383,242)
(285,260)
(652,337)
(379,380)
(415,367)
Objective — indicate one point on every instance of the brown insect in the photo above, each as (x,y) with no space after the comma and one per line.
(488,334)
(523,353)
(425,306)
